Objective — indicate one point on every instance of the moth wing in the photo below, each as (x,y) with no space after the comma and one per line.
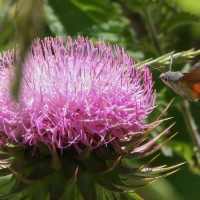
(192,80)
(193,75)
(195,87)
(195,68)
(196,90)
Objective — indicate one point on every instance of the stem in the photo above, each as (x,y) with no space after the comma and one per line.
(152,30)
(5,17)
(192,128)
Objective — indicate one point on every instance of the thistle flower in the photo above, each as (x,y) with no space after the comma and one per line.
(79,117)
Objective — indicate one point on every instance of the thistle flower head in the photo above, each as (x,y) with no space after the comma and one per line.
(77,127)
(78,94)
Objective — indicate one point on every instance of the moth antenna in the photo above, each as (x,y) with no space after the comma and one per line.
(155,68)
(171,60)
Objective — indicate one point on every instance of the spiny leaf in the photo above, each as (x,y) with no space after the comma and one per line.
(134,139)
(15,152)
(147,164)
(96,165)
(136,179)
(150,150)
(5,163)
(119,183)
(151,142)
(17,165)
(156,170)
(105,182)
(122,169)
(4,156)
(43,148)
(84,155)
(139,180)
(20,177)
(105,153)
(164,111)
(74,178)
(71,169)
(147,132)
(56,163)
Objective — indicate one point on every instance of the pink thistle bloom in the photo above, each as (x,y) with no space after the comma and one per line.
(79,94)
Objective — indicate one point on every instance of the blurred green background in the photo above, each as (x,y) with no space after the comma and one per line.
(145,29)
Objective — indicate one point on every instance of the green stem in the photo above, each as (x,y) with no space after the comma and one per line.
(192,128)
(152,30)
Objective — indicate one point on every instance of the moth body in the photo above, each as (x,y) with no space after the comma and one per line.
(186,85)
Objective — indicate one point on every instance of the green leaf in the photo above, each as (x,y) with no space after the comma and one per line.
(4,172)
(54,24)
(70,192)
(17,189)
(184,149)
(102,193)
(72,17)
(135,196)
(179,19)
(40,170)
(128,196)
(56,185)
(38,190)
(187,151)
(99,11)
(7,182)
(86,185)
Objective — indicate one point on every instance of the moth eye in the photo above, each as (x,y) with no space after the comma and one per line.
(163,77)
